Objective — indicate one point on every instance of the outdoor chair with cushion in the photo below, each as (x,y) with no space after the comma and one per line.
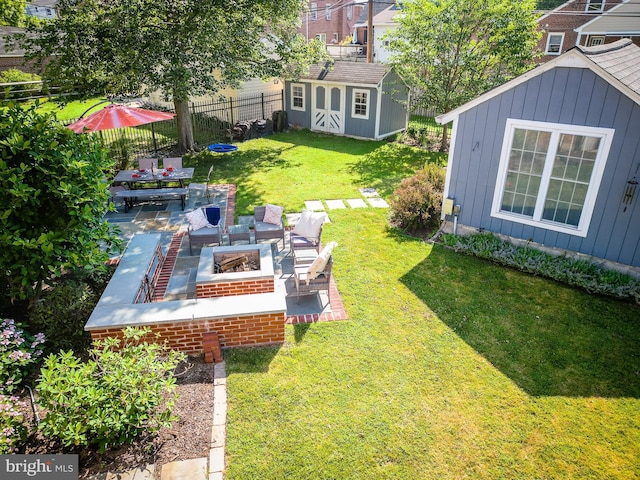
(204,227)
(316,277)
(203,186)
(268,224)
(172,162)
(307,232)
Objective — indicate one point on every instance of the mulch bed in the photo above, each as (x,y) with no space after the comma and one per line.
(189,437)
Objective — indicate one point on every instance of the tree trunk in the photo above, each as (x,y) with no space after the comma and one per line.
(185,127)
(445,138)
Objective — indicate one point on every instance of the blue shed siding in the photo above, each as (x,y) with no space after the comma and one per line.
(562,95)
(297,117)
(359,127)
(394,93)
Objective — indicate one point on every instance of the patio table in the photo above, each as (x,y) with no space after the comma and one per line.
(131,177)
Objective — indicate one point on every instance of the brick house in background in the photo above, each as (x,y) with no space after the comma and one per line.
(588,23)
(330,21)
(12,56)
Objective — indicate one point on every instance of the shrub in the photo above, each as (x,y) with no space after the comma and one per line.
(578,273)
(18,352)
(64,308)
(417,202)
(125,389)
(12,424)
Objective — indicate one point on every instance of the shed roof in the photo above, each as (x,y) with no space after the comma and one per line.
(348,73)
(617,63)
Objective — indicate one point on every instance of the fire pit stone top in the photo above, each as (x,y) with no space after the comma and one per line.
(206,265)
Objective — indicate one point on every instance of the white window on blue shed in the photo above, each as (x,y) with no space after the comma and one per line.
(314,11)
(554,43)
(360,106)
(297,96)
(594,6)
(549,174)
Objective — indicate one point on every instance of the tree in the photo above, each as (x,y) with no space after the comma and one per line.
(52,202)
(183,48)
(451,51)
(13,12)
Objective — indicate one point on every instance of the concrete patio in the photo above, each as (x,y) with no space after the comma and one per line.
(168,219)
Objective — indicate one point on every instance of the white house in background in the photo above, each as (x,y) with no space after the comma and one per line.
(383,23)
(42,9)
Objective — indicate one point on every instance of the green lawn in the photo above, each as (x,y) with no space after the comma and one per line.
(448,367)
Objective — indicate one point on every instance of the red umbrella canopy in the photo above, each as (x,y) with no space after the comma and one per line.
(118,116)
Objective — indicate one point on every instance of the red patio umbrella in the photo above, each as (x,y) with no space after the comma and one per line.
(118,116)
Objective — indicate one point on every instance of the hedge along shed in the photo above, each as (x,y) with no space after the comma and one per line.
(363,100)
(553,156)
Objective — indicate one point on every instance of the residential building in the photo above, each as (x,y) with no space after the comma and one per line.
(588,23)
(45,9)
(330,21)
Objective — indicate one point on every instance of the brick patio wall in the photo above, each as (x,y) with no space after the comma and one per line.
(246,331)
(239,287)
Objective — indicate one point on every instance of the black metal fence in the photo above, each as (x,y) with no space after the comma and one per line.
(212,123)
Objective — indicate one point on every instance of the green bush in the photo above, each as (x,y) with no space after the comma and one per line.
(417,202)
(125,389)
(64,308)
(578,273)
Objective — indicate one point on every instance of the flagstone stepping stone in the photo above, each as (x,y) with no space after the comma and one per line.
(333,204)
(314,205)
(356,203)
(377,202)
(369,192)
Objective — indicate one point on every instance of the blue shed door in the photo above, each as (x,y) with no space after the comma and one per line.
(328,108)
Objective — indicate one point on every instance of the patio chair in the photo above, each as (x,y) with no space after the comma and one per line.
(307,232)
(204,227)
(268,223)
(305,285)
(147,163)
(205,187)
(172,162)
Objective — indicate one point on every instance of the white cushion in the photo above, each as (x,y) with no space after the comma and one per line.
(320,262)
(309,224)
(197,219)
(273,214)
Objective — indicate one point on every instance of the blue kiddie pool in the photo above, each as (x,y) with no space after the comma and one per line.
(222,148)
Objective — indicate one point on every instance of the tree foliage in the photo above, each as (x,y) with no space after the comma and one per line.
(453,50)
(52,202)
(183,48)
(13,12)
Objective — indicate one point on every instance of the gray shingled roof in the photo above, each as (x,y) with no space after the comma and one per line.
(620,59)
(348,72)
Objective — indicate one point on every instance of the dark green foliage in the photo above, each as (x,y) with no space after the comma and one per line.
(53,197)
(578,273)
(417,202)
(64,308)
(125,389)
(425,135)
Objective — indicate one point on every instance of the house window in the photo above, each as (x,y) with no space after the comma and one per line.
(349,12)
(327,11)
(596,40)
(554,43)
(360,104)
(297,96)
(322,37)
(594,6)
(549,174)
(335,37)
(314,11)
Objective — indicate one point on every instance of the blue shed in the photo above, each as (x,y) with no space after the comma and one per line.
(363,100)
(553,156)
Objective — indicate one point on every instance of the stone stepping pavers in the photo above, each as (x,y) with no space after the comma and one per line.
(369,192)
(314,205)
(356,203)
(377,202)
(335,204)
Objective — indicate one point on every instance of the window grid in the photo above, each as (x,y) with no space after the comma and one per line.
(327,11)
(314,11)
(360,104)
(554,43)
(297,97)
(595,6)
